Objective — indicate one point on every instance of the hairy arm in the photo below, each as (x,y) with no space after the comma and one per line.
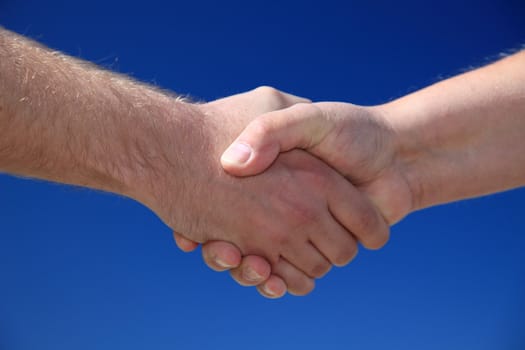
(68,121)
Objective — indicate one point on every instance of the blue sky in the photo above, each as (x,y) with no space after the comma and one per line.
(86,270)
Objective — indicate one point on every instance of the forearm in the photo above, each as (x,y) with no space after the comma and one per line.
(68,121)
(465,136)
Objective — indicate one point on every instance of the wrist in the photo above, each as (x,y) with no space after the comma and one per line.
(412,154)
(164,147)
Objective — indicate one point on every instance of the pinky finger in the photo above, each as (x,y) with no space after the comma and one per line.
(183,243)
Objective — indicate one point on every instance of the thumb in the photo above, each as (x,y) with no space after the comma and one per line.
(300,126)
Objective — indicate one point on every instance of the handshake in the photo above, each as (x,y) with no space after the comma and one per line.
(302,184)
(307,183)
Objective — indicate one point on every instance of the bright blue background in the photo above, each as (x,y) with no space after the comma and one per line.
(86,270)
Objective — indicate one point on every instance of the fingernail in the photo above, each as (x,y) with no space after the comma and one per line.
(238,153)
(223,263)
(268,291)
(250,274)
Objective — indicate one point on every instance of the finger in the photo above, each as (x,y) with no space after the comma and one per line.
(220,255)
(297,282)
(254,150)
(273,288)
(309,260)
(335,243)
(253,270)
(183,243)
(357,214)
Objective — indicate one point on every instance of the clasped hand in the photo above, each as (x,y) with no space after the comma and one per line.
(328,179)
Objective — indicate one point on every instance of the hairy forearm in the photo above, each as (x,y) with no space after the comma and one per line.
(464,137)
(68,121)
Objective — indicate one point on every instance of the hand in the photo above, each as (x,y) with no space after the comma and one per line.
(357,141)
(297,217)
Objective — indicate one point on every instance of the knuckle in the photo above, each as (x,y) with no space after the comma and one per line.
(300,211)
(320,269)
(379,239)
(268,91)
(371,228)
(346,254)
(309,215)
(306,215)
(368,221)
(261,127)
(279,239)
(274,98)
(304,288)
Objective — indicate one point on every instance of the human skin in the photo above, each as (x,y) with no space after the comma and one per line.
(460,138)
(67,121)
